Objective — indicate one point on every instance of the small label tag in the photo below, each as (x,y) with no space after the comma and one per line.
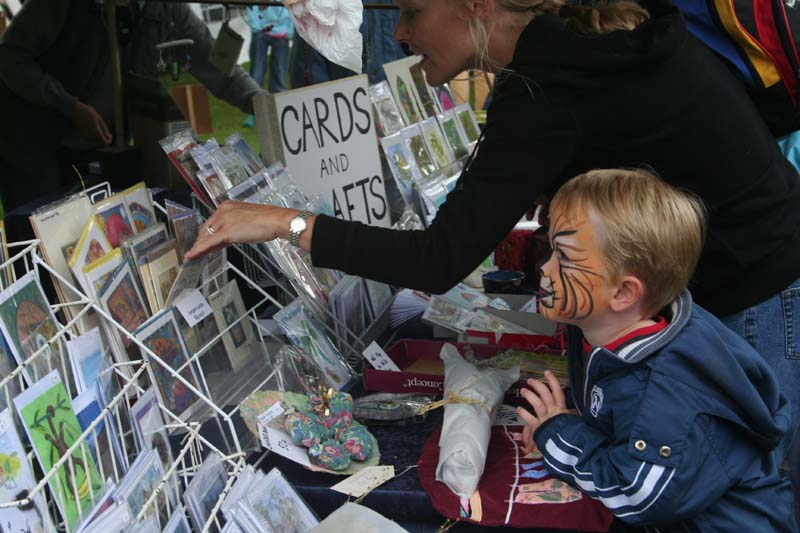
(364,480)
(280,443)
(379,359)
(270,414)
(192,306)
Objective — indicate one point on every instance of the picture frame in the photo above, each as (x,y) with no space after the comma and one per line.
(415,141)
(228,308)
(468,122)
(91,246)
(114,219)
(27,323)
(205,488)
(18,478)
(140,207)
(58,227)
(148,427)
(437,145)
(52,428)
(122,300)
(162,335)
(277,506)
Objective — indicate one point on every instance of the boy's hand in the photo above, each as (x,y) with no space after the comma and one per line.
(547,401)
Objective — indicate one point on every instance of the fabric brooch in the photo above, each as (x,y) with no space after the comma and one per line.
(326,427)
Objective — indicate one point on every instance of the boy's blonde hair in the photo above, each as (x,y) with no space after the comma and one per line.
(650,229)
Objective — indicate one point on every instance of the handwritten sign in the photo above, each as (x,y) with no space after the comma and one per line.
(325,136)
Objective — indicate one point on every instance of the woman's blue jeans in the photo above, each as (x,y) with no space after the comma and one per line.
(773,329)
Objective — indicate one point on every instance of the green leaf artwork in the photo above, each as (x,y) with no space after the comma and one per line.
(53,428)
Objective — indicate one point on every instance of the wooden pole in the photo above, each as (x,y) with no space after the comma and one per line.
(116,73)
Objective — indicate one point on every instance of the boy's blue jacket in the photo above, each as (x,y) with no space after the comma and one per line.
(676,430)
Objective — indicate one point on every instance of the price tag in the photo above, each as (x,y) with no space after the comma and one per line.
(192,306)
(379,359)
(280,443)
(364,480)
(273,412)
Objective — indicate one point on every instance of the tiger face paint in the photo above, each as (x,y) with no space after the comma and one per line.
(574,280)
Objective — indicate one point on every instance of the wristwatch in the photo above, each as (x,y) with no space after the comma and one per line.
(297,226)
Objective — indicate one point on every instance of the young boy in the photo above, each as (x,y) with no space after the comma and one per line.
(677,415)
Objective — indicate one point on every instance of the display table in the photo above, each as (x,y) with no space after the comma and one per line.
(401,499)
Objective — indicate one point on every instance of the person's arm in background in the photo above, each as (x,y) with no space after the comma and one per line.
(239,88)
(33,31)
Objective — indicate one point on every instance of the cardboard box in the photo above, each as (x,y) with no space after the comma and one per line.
(422,371)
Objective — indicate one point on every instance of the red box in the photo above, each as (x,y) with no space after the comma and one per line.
(422,370)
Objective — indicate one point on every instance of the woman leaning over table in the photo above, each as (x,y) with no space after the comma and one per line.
(618,84)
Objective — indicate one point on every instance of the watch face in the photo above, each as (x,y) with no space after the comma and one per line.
(297,224)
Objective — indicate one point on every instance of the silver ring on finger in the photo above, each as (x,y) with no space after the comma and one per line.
(210,229)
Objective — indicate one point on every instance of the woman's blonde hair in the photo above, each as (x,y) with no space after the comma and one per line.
(649,228)
(604,16)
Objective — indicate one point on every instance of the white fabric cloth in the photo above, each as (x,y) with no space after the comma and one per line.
(331,27)
(464,442)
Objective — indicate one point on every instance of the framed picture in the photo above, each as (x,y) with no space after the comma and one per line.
(177,522)
(104,441)
(436,143)
(452,132)
(53,428)
(228,309)
(163,337)
(121,299)
(404,89)
(468,122)
(277,505)
(28,324)
(148,427)
(114,219)
(387,115)
(58,226)
(140,207)
(18,480)
(205,489)
(91,246)
(412,135)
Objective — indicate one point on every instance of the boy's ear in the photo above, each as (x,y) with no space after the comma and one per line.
(482,8)
(629,292)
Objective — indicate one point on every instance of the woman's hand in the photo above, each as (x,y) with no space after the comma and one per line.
(238,222)
(90,124)
(547,401)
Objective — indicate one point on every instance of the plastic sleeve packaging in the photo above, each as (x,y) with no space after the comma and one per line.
(464,442)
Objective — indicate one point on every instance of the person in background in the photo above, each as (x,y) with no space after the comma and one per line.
(56,89)
(272,29)
(678,417)
(578,87)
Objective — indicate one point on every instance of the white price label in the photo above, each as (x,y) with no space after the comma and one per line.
(379,359)
(364,480)
(280,443)
(192,306)
(270,414)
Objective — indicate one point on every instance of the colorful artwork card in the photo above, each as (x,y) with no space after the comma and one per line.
(52,428)
(228,309)
(423,90)
(401,162)
(140,206)
(277,505)
(121,299)
(412,135)
(468,122)
(387,116)
(28,324)
(148,426)
(103,442)
(91,246)
(16,483)
(114,219)
(163,337)
(205,489)
(452,132)
(436,143)
(398,74)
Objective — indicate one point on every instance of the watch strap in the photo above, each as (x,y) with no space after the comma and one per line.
(294,236)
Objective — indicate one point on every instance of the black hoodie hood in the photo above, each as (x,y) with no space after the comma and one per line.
(549,42)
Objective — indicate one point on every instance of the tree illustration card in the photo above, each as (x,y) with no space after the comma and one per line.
(52,428)
(29,325)
(162,336)
(16,482)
